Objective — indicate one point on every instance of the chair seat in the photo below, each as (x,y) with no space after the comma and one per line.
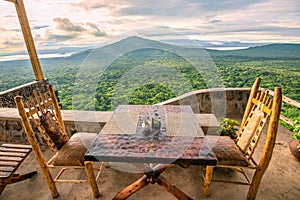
(227,151)
(72,152)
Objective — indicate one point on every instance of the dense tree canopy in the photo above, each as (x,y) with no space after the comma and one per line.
(149,76)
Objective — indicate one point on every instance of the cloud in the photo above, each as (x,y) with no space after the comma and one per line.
(95,30)
(90,4)
(64,31)
(92,21)
(223,5)
(66,25)
(215,21)
(272,30)
(182,8)
(157,8)
(60,38)
(9,16)
(12,43)
(39,27)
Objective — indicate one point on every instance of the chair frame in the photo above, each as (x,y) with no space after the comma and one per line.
(35,106)
(271,109)
(11,157)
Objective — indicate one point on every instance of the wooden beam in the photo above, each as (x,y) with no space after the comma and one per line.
(290,102)
(287,120)
(20,8)
(13,1)
(287,100)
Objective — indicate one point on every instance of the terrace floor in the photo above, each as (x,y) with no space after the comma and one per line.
(281,181)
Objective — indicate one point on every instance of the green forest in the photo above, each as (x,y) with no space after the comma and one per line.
(153,75)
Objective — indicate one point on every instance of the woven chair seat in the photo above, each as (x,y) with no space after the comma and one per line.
(72,152)
(228,153)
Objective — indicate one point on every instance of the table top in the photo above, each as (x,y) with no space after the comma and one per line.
(176,120)
(179,139)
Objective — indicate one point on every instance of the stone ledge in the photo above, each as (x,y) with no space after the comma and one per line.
(101,117)
(86,116)
(11,129)
(208,123)
(223,102)
(68,115)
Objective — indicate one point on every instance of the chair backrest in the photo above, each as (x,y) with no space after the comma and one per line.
(257,113)
(43,110)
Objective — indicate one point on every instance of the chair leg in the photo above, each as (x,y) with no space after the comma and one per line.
(255,184)
(92,179)
(44,167)
(50,182)
(207,181)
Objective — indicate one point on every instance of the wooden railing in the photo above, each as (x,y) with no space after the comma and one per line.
(290,102)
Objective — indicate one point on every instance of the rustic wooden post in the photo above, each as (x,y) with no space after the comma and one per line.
(91,178)
(207,181)
(269,146)
(35,147)
(20,8)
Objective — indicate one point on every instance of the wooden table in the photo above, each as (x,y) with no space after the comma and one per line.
(179,141)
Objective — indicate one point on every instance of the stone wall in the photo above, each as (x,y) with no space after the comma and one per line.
(223,102)
(11,128)
(229,102)
(11,131)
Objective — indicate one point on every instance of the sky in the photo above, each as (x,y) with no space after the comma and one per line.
(82,23)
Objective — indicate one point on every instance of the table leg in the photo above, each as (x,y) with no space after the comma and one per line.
(132,188)
(167,185)
(2,188)
(152,175)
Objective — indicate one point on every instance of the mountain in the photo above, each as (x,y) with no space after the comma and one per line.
(266,51)
(212,44)
(129,44)
(132,43)
(110,52)
(62,50)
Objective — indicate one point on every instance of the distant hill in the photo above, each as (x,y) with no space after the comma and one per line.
(128,44)
(266,51)
(134,42)
(212,44)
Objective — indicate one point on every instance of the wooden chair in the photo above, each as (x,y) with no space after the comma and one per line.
(238,154)
(11,157)
(42,113)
